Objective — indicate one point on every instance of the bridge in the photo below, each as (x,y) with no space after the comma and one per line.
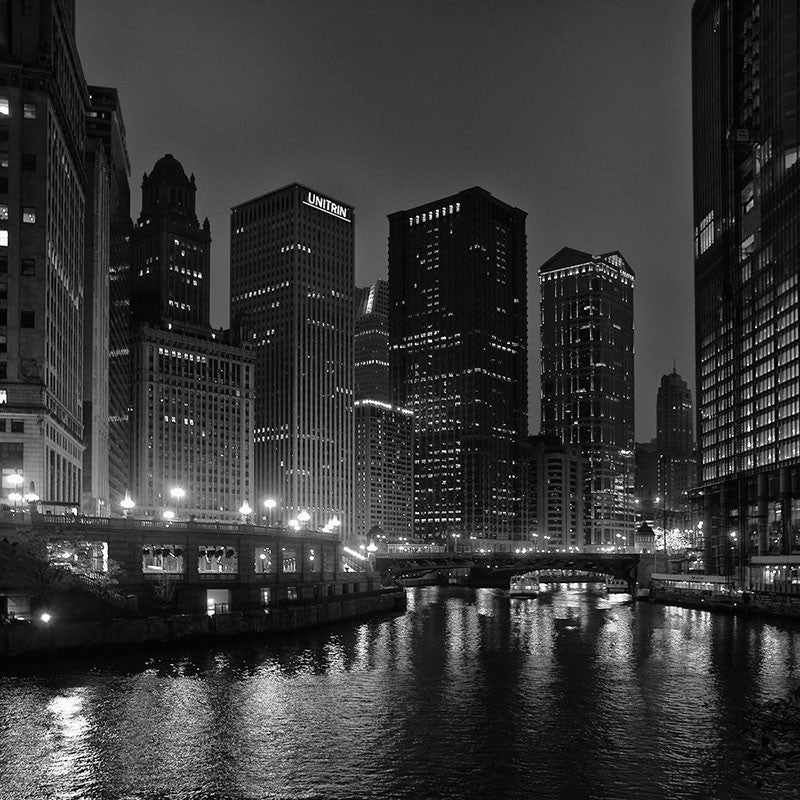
(626,566)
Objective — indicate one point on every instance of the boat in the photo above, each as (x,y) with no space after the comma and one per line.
(525,585)
(617,586)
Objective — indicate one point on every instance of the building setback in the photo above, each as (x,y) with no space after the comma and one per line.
(43,101)
(587,380)
(191,387)
(747,283)
(458,360)
(292,279)
(384,434)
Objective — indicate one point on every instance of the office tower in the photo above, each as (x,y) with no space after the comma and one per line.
(558,504)
(384,433)
(458,360)
(646,480)
(675,445)
(747,237)
(587,380)
(105,125)
(191,386)
(292,279)
(42,198)
(95,498)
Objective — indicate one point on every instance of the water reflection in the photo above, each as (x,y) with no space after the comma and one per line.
(470,694)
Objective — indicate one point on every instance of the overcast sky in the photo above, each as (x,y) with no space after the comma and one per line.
(576,111)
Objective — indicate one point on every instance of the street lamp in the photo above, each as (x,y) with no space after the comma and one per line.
(270,504)
(293,524)
(127,504)
(304,517)
(168,515)
(177,494)
(245,511)
(15,497)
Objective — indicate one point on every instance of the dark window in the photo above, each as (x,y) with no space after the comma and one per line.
(29,110)
(3,185)
(3,370)
(2,426)
(28,162)
(28,266)
(3,266)
(27,319)
(4,160)
(3,290)
(17,426)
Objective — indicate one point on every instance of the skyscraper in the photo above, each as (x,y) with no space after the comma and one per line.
(191,386)
(587,380)
(292,279)
(105,125)
(384,433)
(747,283)
(458,359)
(43,102)
(675,446)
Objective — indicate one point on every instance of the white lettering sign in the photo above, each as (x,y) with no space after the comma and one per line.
(328,206)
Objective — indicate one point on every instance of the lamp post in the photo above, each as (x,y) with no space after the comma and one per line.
(270,504)
(30,497)
(16,480)
(177,494)
(127,504)
(293,524)
(245,511)
(304,517)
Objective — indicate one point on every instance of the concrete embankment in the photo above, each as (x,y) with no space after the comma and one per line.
(22,639)
(746,603)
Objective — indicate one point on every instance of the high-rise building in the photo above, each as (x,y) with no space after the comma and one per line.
(292,280)
(191,386)
(384,433)
(43,103)
(677,468)
(105,125)
(458,359)
(587,380)
(747,284)
(557,503)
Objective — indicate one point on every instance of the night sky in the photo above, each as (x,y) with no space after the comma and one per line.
(576,111)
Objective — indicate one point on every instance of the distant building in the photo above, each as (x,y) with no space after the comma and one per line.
(191,387)
(747,282)
(292,279)
(43,104)
(384,434)
(557,471)
(646,481)
(104,125)
(677,468)
(587,379)
(458,359)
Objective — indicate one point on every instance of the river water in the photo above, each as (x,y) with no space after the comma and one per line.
(468,695)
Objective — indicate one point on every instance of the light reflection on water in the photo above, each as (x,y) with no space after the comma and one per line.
(468,695)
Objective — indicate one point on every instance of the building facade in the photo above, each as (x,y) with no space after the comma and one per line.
(384,433)
(557,488)
(292,280)
(587,380)
(105,126)
(747,283)
(43,102)
(458,360)
(677,468)
(191,387)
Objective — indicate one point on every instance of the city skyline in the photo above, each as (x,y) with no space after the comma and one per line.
(599,171)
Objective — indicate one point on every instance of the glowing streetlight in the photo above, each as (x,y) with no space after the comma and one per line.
(168,515)
(270,503)
(293,524)
(177,494)
(304,517)
(15,497)
(127,503)
(245,510)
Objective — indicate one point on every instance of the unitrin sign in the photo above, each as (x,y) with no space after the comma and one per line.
(328,206)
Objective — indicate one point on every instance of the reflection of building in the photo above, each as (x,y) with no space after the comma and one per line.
(587,379)
(675,447)
(292,280)
(384,486)
(558,504)
(747,286)
(104,124)
(457,285)
(43,101)
(191,386)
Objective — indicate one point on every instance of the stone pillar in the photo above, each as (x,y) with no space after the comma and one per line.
(763,513)
(786,510)
(247,556)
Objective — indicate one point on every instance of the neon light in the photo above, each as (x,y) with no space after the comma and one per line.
(328,206)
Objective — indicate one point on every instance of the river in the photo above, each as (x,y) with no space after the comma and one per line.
(468,695)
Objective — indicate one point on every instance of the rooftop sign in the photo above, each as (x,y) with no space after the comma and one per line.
(328,206)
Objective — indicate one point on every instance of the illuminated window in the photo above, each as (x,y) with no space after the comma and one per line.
(29,110)
(5,109)
(3,396)
(3,238)
(4,212)
(4,160)
(29,215)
